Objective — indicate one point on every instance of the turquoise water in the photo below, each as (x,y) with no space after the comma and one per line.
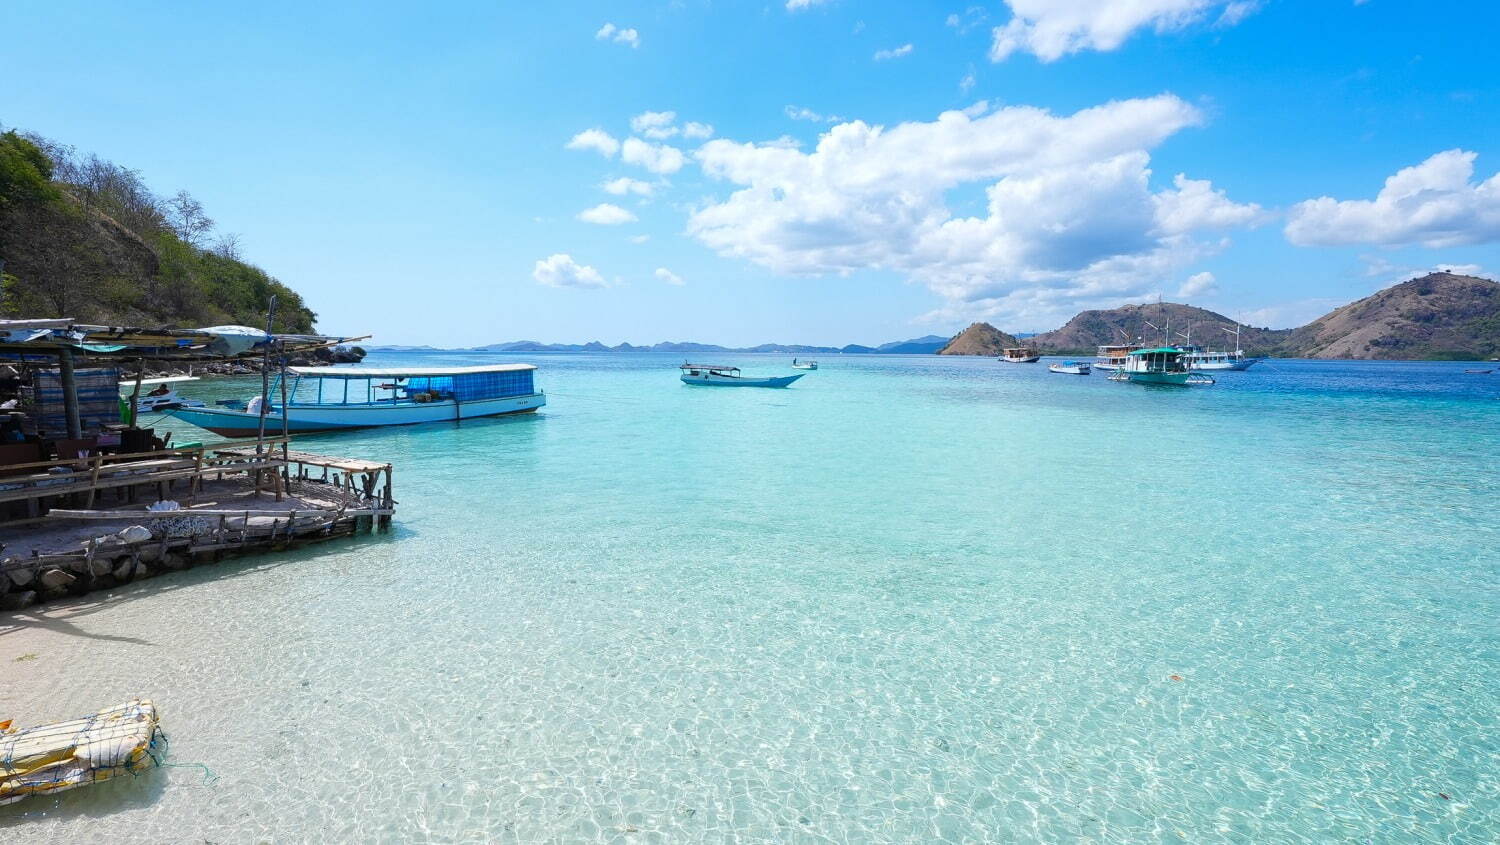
(908,599)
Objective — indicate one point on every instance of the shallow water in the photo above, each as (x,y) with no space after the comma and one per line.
(910,598)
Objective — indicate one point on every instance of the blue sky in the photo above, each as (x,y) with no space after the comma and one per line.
(418,172)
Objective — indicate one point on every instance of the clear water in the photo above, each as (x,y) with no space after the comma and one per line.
(908,599)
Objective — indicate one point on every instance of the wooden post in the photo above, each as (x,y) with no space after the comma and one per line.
(135,395)
(69,392)
(265,393)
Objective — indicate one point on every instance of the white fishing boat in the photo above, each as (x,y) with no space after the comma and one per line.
(1113,357)
(1202,359)
(725,376)
(1074,368)
(1021,355)
(162,397)
(331,398)
(804,365)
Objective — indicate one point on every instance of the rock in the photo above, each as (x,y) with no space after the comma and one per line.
(135,534)
(57,580)
(101,566)
(176,561)
(21,576)
(142,572)
(122,569)
(18,601)
(150,554)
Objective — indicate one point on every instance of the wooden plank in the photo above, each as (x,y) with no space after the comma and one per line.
(305,513)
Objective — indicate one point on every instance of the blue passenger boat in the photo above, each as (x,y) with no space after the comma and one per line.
(327,398)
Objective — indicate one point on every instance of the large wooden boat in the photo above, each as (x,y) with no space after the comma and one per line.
(330,398)
(1159,365)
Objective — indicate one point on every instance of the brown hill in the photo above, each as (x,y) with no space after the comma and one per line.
(979,339)
(1440,315)
(1091,329)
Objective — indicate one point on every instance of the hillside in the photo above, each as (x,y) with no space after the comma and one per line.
(85,238)
(1440,315)
(978,339)
(1091,329)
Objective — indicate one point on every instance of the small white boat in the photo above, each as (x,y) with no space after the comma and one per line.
(1074,368)
(1113,357)
(804,365)
(718,376)
(162,398)
(1021,355)
(1202,359)
(328,398)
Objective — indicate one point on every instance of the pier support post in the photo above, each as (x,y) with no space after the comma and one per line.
(69,392)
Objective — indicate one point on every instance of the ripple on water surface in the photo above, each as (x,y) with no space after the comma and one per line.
(909,599)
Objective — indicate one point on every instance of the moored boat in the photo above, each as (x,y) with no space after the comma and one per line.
(1203,359)
(1159,365)
(1021,355)
(161,397)
(804,365)
(1114,357)
(331,398)
(1076,368)
(726,376)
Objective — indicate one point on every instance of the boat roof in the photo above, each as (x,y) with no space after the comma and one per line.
(1159,350)
(707,367)
(405,372)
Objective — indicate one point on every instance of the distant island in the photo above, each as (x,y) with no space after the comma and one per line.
(1439,316)
(916,346)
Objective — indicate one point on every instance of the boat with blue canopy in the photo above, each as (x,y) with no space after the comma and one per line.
(1159,365)
(331,398)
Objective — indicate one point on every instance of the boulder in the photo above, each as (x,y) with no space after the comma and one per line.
(151,553)
(135,534)
(57,580)
(101,566)
(175,561)
(21,576)
(142,572)
(18,601)
(122,569)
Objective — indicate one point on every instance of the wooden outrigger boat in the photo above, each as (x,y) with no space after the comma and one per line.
(330,398)
(1021,355)
(1159,365)
(724,376)
(804,365)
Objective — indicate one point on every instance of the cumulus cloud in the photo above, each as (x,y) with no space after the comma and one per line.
(597,140)
(619,35)
(606,214)
(1199,284)
(1433,204)
(625,185)
(894,53)
(668,276)
(693,129)
(561,271)
(1051,29)
(657,158)
(654,124)
(1070,214)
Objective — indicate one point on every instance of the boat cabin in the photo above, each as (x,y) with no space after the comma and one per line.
(700,370)
(1161,359)
(418,386)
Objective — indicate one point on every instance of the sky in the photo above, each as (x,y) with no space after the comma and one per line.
(797,171)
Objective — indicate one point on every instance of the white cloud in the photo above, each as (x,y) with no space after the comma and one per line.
(967,83)
(1287,315)
(970,18)
(1070,214)
(1051,29)
(1433,204)
(639,239)
(597,140)
(657,158)
(561,271)
(668,276)
(654,124)
(619,35)
(896,53)
(1199,284)
(800,113)
(1391,272)
(625,185)
(697,130)
(605,214)
(1196,205)
(794,5)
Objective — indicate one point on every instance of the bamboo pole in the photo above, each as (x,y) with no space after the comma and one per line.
(69,392)
(135,395)
(265,390)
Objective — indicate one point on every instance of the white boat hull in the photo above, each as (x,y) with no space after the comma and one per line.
(301,418)
(1240,365)
(1067,370)
(1030,360)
